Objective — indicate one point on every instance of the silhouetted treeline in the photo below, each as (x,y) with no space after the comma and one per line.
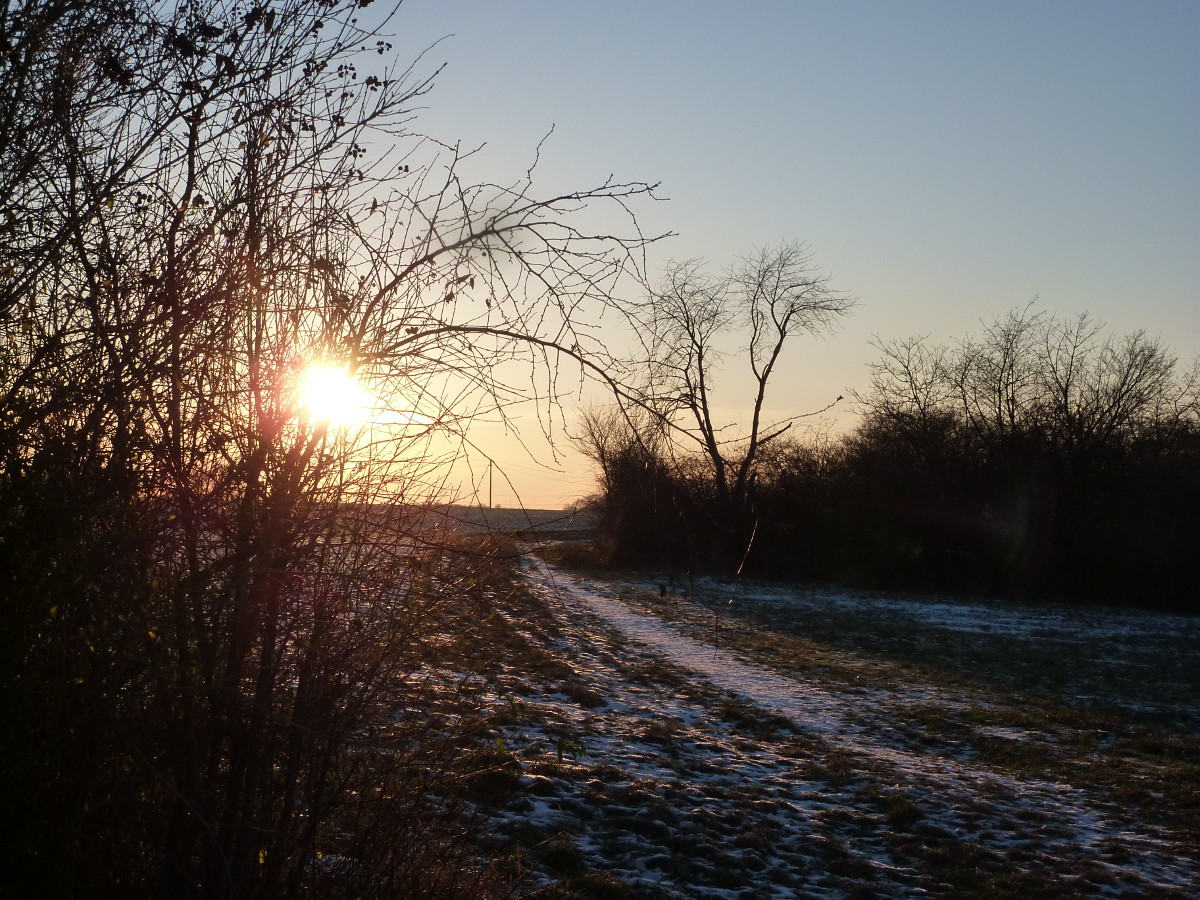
(1041,458)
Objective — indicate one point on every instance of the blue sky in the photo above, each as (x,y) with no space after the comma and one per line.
(946,161)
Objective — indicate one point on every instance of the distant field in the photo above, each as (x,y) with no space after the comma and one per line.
(478,519)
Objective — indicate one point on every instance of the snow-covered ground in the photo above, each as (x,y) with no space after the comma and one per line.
(1123,659)
(655,764)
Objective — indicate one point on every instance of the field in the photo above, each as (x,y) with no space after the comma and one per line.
(810,743)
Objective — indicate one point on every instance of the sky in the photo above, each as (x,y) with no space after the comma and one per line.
(945,161)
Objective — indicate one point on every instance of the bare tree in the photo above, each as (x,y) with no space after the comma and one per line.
(211,595)
(604,434)
(1032,377)
(769,297)
(1097,391)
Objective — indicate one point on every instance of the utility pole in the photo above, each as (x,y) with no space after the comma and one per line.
(490,464)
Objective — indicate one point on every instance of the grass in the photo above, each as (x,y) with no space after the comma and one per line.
(1018,706)
(538,690)
(577,556)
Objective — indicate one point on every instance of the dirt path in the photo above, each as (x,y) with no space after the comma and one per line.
(678,770)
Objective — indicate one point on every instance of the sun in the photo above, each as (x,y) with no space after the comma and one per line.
(329,394)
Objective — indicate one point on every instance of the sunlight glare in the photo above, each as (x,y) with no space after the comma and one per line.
(329,394)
